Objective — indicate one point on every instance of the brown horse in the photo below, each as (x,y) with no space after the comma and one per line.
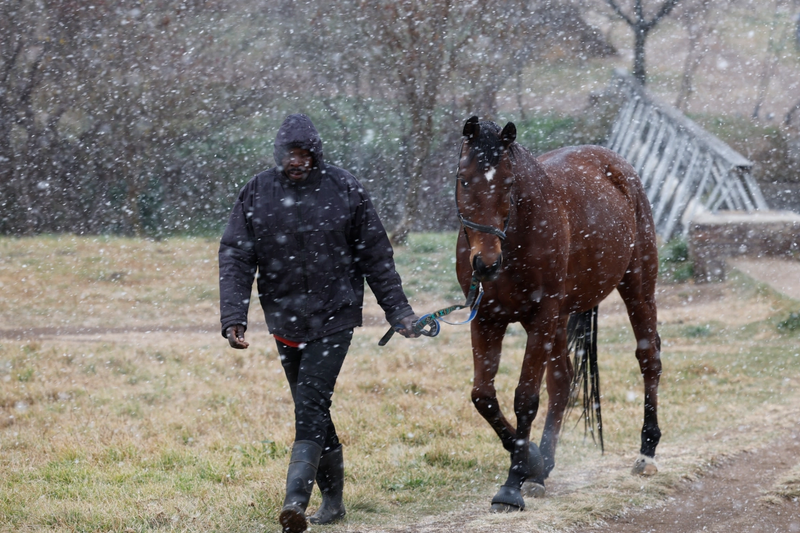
(549,238)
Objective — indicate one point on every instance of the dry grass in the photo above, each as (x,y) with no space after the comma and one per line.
(788,485)
(70,282)
(147,421)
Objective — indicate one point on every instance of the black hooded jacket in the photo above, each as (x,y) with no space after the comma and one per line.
(312,243)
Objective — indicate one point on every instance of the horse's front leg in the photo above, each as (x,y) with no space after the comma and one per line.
(540,347)
(487,341)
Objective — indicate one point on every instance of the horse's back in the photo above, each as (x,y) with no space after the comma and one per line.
(590,168)
(569,164)
(601,196)
(597,189)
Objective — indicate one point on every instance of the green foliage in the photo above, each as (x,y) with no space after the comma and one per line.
(363,135)
(674,264)
(542,133)
(735,128)
(697,331)
(791,323)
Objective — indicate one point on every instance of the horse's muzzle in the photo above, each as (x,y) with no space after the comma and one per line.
(486,272)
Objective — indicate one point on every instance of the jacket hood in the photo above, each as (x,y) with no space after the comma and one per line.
(297,131)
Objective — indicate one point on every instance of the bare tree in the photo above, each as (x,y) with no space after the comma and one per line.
(411,39)
(99,104)
(775,48)
(787,119)
(699,19)
(492,44)
(470,51)
(36,45)
(130,117)
(641,26)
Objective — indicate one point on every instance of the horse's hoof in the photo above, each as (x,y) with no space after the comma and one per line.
(504,508)
(644,466)
(531,489)
(508,499)
(535,463)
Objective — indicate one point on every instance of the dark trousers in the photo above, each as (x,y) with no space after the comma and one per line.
(312,370)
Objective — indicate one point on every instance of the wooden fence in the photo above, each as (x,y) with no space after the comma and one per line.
(685,169)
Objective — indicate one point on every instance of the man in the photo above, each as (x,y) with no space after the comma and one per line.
(311,232)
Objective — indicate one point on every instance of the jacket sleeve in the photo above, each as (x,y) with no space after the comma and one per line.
(237,263)
(374,256)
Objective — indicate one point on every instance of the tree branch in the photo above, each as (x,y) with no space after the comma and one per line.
(795,108)
(666,9)
(618,10)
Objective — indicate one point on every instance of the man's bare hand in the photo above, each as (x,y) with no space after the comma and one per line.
(235,336)
(407,327)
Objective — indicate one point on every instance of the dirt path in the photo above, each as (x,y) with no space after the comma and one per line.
(727,499)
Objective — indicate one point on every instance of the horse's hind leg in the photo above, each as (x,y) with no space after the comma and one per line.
(638,292)
(559,378)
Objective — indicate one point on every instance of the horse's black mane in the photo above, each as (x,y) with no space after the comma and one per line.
(487,148)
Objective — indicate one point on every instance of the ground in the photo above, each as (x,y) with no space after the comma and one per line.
(728,486)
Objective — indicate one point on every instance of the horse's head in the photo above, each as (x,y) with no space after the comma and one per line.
(483,192)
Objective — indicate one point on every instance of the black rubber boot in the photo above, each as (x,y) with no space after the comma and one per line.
(299,483)
(330,479)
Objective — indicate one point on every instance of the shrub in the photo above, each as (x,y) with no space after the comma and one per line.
(674,263)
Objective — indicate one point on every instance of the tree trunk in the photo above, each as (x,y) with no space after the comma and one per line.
(423,126)
(697,52)
(641,27)
(421,77)
(640,38)
(774,49)
(795,108)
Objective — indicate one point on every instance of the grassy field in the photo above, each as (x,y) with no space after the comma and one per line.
(123,409)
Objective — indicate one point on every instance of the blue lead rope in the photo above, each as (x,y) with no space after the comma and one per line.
(431,320)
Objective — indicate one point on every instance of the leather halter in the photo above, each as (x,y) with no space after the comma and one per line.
(483,228)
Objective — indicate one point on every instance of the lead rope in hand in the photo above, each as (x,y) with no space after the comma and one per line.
(431,320)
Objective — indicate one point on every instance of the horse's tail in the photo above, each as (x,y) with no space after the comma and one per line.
(582,340)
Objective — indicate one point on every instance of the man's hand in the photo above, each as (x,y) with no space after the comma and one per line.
(407,327)
(235,336)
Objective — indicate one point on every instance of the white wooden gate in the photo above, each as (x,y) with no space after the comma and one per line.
(685,169)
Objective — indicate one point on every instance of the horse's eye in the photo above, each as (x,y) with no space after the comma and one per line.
(463,182)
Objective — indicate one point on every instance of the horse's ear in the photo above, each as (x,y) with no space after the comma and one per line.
(508,135)
(472,128)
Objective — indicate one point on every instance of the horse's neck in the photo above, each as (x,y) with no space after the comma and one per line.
(527,169)
(532,188)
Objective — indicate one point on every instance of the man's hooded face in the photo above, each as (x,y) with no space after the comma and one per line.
(297,164)
(298,148)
